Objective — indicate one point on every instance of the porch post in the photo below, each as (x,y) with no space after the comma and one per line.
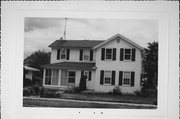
(59,78)
(44,72)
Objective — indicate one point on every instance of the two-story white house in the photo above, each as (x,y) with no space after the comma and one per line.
(116,61)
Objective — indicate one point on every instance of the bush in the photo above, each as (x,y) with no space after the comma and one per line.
(26,92)
(27,82)
(82,84)
(73,90)
(42,92)
(146,92)
(117,91)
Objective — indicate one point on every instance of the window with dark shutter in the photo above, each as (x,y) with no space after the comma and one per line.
(102,53)
(120,77)
(132,78)
(121,54)
(58,54)
(91,55)
(101,76)
(68,54)
(113,78)
(89,76)
(81,55)
(114,53)
(133,54)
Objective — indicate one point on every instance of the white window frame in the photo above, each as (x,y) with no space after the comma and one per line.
(86,53)
(125,77)
(130,54)
(108,77)
(111,54)
(65,51)
(51,78)
(74,76)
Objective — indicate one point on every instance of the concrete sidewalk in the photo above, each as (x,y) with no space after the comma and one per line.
(90,102)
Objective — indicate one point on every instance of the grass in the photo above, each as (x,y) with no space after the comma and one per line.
(110,98)
(71,104)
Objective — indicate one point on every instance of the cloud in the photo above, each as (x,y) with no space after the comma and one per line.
(41,32)
(41,23)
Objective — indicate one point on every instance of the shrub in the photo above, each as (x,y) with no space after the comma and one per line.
(82,84)
(117,91)
(26,92)
(77,90)
(42,92)
(27,82)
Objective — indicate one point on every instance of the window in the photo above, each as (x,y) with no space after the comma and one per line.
(86,74)
(108,54)
(127,54)
(72,76)
(127,78)
(107,77)
(51,76)
(63,54)
(86,55)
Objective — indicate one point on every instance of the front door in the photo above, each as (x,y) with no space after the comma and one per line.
(71,78)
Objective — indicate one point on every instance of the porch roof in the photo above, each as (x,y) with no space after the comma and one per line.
(72,65)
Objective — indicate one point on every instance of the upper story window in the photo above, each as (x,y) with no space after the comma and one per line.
(86,55)
(63,54)
(108,54)
(127,54)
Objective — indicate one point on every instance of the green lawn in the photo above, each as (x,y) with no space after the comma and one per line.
(110,98)
(72,104)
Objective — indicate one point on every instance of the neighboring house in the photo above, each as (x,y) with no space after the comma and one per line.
(29,72)
(116,61)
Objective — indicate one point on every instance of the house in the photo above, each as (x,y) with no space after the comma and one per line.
(107,64)
(29,72)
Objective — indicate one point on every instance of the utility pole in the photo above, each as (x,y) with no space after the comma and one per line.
(65,29)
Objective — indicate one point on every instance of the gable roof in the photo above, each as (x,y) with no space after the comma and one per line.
(76,43)
(118,36)
(72,65)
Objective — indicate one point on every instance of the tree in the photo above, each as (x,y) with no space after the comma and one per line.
(150,64)
(36,60)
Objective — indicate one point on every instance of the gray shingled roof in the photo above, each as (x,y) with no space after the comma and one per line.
(71,65)
(75,43)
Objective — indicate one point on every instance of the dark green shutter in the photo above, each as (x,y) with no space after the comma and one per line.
(113,78)
(67,54)
(81,55)
(114,53)
(120,77)
(132,78)
(102,53)
(91,55)
(58,54)
(101,76)
(89,76)
(133,54)
(121,54)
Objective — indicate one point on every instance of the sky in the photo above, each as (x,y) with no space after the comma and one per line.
(39,33)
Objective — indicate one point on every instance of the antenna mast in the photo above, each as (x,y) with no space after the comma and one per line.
(65,29)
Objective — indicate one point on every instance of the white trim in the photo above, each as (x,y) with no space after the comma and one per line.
(110,78)
(122,37)
(129,80)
